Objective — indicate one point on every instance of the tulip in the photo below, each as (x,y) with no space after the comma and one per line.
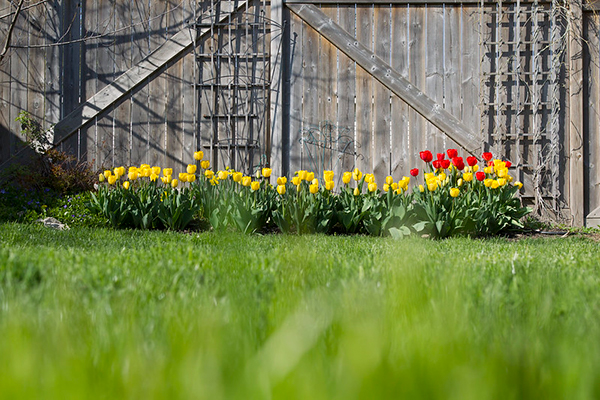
(426,156)
(246,181)
(440,156)
(458,163)
(386,187)
(346,177)
(209,174)
(153,177)
(372,186)
(266,172)
(488,170)
(183,176)
(480,176)
(356,174)
(255,185)
(174,183)
(191,169)
(445,164)
(421,188)
(198,155)
(452,153)
(467,176)
(281,189)
(126,185)
(144,166)
(168,171)
(237,177)
(214,181)
(475,168)
(389,180)
(501,182)
(190,178)
(414,171)
(107,173)
(518,184)
(222,175)
(205,164)
(487,182)
(356,191)
(459,183)
(101,178)
(487,156)
(146,172)
(112,179)
(328,176)
(329,185)
(369,178)
(432,185)
(471,161)
(282,180)
(454,192)
(296,180)
(507,164)
(302,175)
(394,186)
(156,170)
(132,175)
(314,188)
(495,184)
(166,179)
(310,176)
(502,173)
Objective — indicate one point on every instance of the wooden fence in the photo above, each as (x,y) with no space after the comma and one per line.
(329,85)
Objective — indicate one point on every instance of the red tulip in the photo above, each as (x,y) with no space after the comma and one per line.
(426,156)
(487,156)
(480,175)
(490,163)
(414,171)
(458,163)
(471,161)
(508,164)
(437,164)
(452,153)
(441,156)
(445,164)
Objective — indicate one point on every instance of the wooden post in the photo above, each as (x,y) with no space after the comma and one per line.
(576,103)
(278,144)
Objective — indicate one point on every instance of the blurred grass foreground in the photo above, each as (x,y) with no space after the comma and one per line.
(104,314)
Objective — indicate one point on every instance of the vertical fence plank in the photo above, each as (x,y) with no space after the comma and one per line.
(36,18)
(591,122)
(71,29)
(328,97)
(381,97)
(576,120)
(400,111)
(452,71)
(18,81)
(364,93)
(89,67)
(434,80)
(310,115)
(5,96)
(417,51)
(139,99)
(52,65)
(123,61)
(469,68)
(174,107)
(346,95)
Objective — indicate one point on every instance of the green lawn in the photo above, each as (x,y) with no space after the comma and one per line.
(88,314)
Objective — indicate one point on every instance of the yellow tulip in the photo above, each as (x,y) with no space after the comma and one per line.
(237,177)
(205,164)
(132,175)
(346,177)
(146,172)
(174,183)
(518,184)
(475,168)
(183,177)
(282,180)
(246,181)
(198,155)
(168,171)
(112,179)
(488,170)
(266,172)
(166,179)
(107,173)
(370,178)
(156,170)
(328,175)
(487,182)
(209,174)
(356,174)
(386,187)
(190,178)
(501,182)
(460,182)
(222,175)
(255,185)
(329,185)
(495,184)
(432,185)
(153,177)
(296,180)
(191,169)
(394,186)
(372,187)
(302,175)
(502,173)
(356,191)
(314,181)
(144,166)
(313,188)
(101,178)
(389,180)
(310,176)
(421,188)
(454,192)
(467,176)
(281,189)
(116,171)
(214,181)
(126,185)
